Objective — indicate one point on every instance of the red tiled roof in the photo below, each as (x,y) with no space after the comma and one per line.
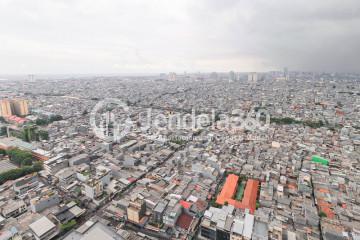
(16,119)
(184,221)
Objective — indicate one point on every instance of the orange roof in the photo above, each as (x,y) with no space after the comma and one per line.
(291,186)
(326,208)
(185,204)
(229,190)
(323,190)
(329,213)
(250,194)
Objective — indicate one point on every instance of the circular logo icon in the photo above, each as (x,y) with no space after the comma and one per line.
(104,123)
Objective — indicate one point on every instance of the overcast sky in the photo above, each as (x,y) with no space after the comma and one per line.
(150,36)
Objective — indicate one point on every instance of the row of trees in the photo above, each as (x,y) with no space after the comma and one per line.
(43,121)
(288,120)
(20,157)
(24,160)
(19,172)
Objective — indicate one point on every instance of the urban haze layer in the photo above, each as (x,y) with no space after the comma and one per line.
(220,156)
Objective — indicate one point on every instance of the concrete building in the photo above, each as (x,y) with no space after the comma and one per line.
(66,176)
(252,77)
(172,216)
(158,212)
(22,185)
(5,108)
(172,76)
(45,200)
(93,229)
(260,231)
(13,209)
(93,188)
(248,226)
(67,212)
(55,164)
(237,229)
(216,223)
(232,76)
(20,107)
(103,174)
(43,229)
(136,211)
(79,159)
(10,107)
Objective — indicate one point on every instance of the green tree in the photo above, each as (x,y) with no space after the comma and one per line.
(20,172)
(3,131)
(322,214)
(56,118)
(29,133)
(41,122)
(20,157)
(43,135)
(67,226)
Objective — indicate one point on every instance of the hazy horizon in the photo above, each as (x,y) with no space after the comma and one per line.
(150,37)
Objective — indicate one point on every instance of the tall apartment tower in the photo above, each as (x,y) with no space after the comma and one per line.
(5,108)
(232,76)
(20,107)
(17,107)
(172,76)
(286,73)
(252,77)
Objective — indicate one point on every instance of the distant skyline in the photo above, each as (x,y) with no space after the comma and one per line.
(154,36)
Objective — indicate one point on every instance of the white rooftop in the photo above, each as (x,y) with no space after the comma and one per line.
(248,226)
(42,226)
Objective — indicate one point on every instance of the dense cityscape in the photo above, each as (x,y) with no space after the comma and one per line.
(219,156)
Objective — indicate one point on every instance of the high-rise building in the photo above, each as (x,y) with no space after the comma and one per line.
(286,73)
(252,77)
(5,108)
(20,107)
(172,76)
(232,76)
(136,211)
(17,107)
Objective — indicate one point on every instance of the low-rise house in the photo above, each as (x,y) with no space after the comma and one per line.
(22,185)
(13,209)
(43,229)
(46,199)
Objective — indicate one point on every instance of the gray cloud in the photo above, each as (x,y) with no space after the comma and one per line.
(130,36)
